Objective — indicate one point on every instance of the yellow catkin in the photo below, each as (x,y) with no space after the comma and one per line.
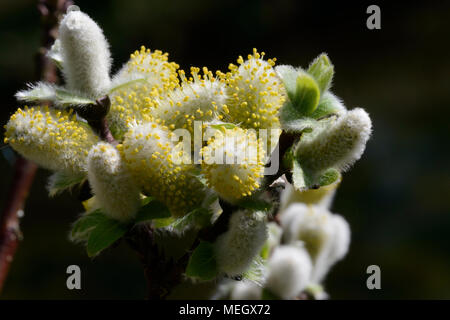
(146,76)
(241,163)
(53,139)
(255,92)
(156,165)
(201,97)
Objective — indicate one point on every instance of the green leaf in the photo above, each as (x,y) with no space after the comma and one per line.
(106,232)
(86,223)
(66,98)
(254,204)
(298,176)
(55,54)
(162,223)
(293,121)
(40,91)
(202,263)
(329,104)
(307,94)
(197,218)
(60,181)
(322,70)
(255,272)
(152,209)
(288,75)
(328,177)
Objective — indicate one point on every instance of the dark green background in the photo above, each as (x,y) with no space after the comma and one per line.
(396,198)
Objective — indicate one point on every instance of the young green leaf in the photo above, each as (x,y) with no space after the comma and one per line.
(254,204)
(322,70)
(86,223)
(104,235)
(329,104)
(289,76)
(328,177)
(40,91)
(197,218)
(60,181)
(298,176)
(65,98)
(307,94)
(202,263)
(152,209)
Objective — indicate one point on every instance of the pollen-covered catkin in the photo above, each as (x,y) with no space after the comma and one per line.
(159,167)
(145,77)
(255,93)
(199,98)
(337,146)
(86,60)
(237,247)
(112,184)
(233,163)
(289,270)
(53,139)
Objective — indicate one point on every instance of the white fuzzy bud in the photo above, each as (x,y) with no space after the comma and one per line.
(339,145)
(86,59)
(53,139)
(236,248)
(326,236)
(289,270)
(114,189)
(246,290)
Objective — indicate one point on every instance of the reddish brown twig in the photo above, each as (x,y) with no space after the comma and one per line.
(24,170)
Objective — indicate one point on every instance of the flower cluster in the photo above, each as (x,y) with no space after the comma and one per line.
(280,246)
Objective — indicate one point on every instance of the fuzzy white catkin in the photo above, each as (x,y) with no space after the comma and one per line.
(114,189)
(236,248)
(326,236)
(338,146)
(289,271)
(337,249)
(245,290)
(86,59)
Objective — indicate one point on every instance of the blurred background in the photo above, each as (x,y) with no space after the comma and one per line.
(396,198)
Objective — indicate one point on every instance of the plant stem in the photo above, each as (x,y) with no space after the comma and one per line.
(24,170)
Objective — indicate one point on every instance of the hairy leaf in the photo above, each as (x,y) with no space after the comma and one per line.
(60,181)
(106,232)
(152,209)
(202,263)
